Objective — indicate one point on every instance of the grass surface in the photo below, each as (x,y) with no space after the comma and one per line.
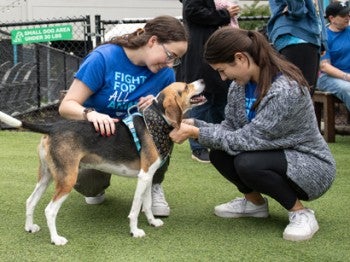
(191,233)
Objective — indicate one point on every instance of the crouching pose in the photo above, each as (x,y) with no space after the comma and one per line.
(269,142)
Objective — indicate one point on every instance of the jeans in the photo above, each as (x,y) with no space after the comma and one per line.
(213,111)
(338,87)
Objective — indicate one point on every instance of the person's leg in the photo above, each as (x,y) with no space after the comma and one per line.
(218,103)
(265,172)
(160,206)
(307,58)
(338,87)
(223,162)
(213,110)
(92,183)
(255,206)
(199,152)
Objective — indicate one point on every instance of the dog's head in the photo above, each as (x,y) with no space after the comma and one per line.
(179,97)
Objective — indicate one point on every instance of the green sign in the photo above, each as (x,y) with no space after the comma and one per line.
(41,34)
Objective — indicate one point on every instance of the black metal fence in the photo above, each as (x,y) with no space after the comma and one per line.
(105,29)
(32,75)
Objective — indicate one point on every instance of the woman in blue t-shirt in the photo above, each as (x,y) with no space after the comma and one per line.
(128,70)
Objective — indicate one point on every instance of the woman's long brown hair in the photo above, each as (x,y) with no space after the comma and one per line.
(222,46)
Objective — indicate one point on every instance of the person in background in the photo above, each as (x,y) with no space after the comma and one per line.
(129,70)
(269,142)
(297,30)
(335,63)
(201,19)
(221,4)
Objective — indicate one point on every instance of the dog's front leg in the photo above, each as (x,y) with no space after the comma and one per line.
(144,179)
(147,208)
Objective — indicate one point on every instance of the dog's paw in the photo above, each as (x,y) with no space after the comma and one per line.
(32,228)
(138,233)
(59,241)
(156,222)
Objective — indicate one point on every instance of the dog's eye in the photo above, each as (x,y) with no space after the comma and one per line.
(179,93)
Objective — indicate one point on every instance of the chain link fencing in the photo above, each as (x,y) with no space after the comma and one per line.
(33,76)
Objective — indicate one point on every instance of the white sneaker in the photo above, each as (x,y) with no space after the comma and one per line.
(159,205)
(241,207)
(303,225)
(96,200)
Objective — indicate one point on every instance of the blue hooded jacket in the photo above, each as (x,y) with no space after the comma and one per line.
(298,18)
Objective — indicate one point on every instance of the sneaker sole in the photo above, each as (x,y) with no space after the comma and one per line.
(160,212)
(300,238)
(95,200)
(200,160)
(237,215)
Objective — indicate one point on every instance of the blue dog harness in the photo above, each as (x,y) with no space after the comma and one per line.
(158,128)
(130,124)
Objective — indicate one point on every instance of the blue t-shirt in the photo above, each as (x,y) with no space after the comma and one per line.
(339,49)
(116,83)
(250,98)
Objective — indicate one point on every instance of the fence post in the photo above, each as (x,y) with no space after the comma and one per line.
(98,29)
(65,70)
(87,34)
(38,87)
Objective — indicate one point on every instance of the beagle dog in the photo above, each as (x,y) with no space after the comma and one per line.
(68,145)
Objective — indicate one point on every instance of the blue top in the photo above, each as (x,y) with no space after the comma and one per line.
(250,98)
(287,40)
(301,20)
(116,82)
(338,52)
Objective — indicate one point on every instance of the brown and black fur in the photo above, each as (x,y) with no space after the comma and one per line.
(69,145)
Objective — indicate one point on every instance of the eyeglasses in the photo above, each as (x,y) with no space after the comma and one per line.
(170,57)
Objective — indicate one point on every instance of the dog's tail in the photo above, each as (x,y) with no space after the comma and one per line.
(9,120)
(15,123)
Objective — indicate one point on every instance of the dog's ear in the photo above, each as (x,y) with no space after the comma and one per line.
(173,111)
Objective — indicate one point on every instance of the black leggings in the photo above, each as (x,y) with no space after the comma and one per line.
(307,58)
(259,171)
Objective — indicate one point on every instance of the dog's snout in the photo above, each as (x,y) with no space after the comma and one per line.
(199,83)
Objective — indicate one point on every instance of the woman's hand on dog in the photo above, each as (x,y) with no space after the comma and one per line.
(186,130)
(188,121)
(103,123)
(145,102)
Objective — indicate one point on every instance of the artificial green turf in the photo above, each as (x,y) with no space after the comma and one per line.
(191,233)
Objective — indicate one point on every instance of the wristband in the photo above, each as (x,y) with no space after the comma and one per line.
(86,111)
(345,77)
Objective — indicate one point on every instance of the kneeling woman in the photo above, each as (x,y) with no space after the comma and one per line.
(269,142)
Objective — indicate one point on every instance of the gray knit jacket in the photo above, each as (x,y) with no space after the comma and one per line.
(285,119)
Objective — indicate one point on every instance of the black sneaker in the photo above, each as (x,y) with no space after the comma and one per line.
(201,155)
